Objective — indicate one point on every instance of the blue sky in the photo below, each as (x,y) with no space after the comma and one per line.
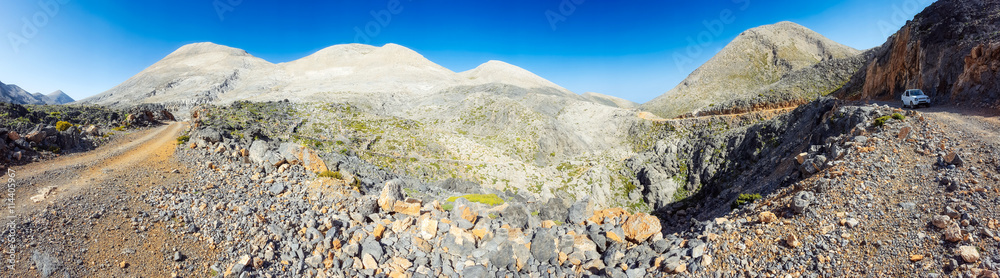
(636,50)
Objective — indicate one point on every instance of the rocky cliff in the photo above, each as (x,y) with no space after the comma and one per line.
(948,50)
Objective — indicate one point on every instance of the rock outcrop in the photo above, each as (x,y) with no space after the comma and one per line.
(948,50)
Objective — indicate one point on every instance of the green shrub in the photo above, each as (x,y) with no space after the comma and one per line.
(181,140)
(488,199)
(63,125)
(447,206)
(898,116)
(330,174)
(120,128)
(880,121)
(745,199)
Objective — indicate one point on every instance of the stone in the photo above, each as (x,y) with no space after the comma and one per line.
(314,261)
(123,264)
(675,267)
(238,266)
(409,207)
(35,136)
(392,191)
(427,227)
(475,271)
(916,258)
(801,158)
(954,158)
(802,200)
(277,188)
(13,136)
(904,133)
(178,257)
(543,245)
(792,241)
(580,211)
(767,217)
(548,224)
(968,253)
(613,213)
(91,130)
(941,221)
(468,214)
(851,222)
(379,231)
(368,261)
(616,235)
(372,247)
(953,233)
(641,226)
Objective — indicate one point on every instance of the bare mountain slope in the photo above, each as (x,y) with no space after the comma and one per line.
(609,100)
(59,97)
(756,59)
(193,74)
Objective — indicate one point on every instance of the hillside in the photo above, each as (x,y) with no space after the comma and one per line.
(768,60)
(950,50)
(609,100)
(59,97)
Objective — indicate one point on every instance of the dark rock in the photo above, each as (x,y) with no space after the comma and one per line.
(802,200)
(543,245)
(580,211)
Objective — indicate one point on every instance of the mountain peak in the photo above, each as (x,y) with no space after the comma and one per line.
(59,97)
(758,57)
(205,48)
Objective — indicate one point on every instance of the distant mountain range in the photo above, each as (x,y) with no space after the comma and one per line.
(210,73)
(13,94)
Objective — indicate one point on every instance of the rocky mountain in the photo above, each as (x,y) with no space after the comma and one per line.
(951,50)
(11,93)
(59,97)
(783,62)
(210,73)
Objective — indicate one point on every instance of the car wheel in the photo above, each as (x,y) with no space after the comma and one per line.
(904,104)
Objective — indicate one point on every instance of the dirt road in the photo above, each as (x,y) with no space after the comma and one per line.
(81,225)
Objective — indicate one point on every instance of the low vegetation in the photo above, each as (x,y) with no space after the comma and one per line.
(487,199)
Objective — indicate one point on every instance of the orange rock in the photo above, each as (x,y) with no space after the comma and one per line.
(767,217)
(479,233)
(379,230)
(469,215)
(613,235)
(641,226)
(793,241)
(412,209)
(599,216)
(916,258)
(548,224)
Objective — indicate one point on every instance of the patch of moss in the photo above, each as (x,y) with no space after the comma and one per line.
(181,140)
(330,174)
(487,199)
(745,199)
(897,116)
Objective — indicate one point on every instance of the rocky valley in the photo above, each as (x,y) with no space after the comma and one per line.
(785,155)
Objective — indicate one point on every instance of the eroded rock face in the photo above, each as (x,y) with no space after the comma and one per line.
(941,51)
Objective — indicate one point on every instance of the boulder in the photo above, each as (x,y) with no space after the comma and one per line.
(580,211)
(941,221)
(210,135)
(641,226)
(516,215)
(258,149)
(543,245)
(767,217)
(35,136)
(13,136)
(92,130)
(392,191)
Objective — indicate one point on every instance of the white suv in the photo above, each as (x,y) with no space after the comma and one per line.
(914,98)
